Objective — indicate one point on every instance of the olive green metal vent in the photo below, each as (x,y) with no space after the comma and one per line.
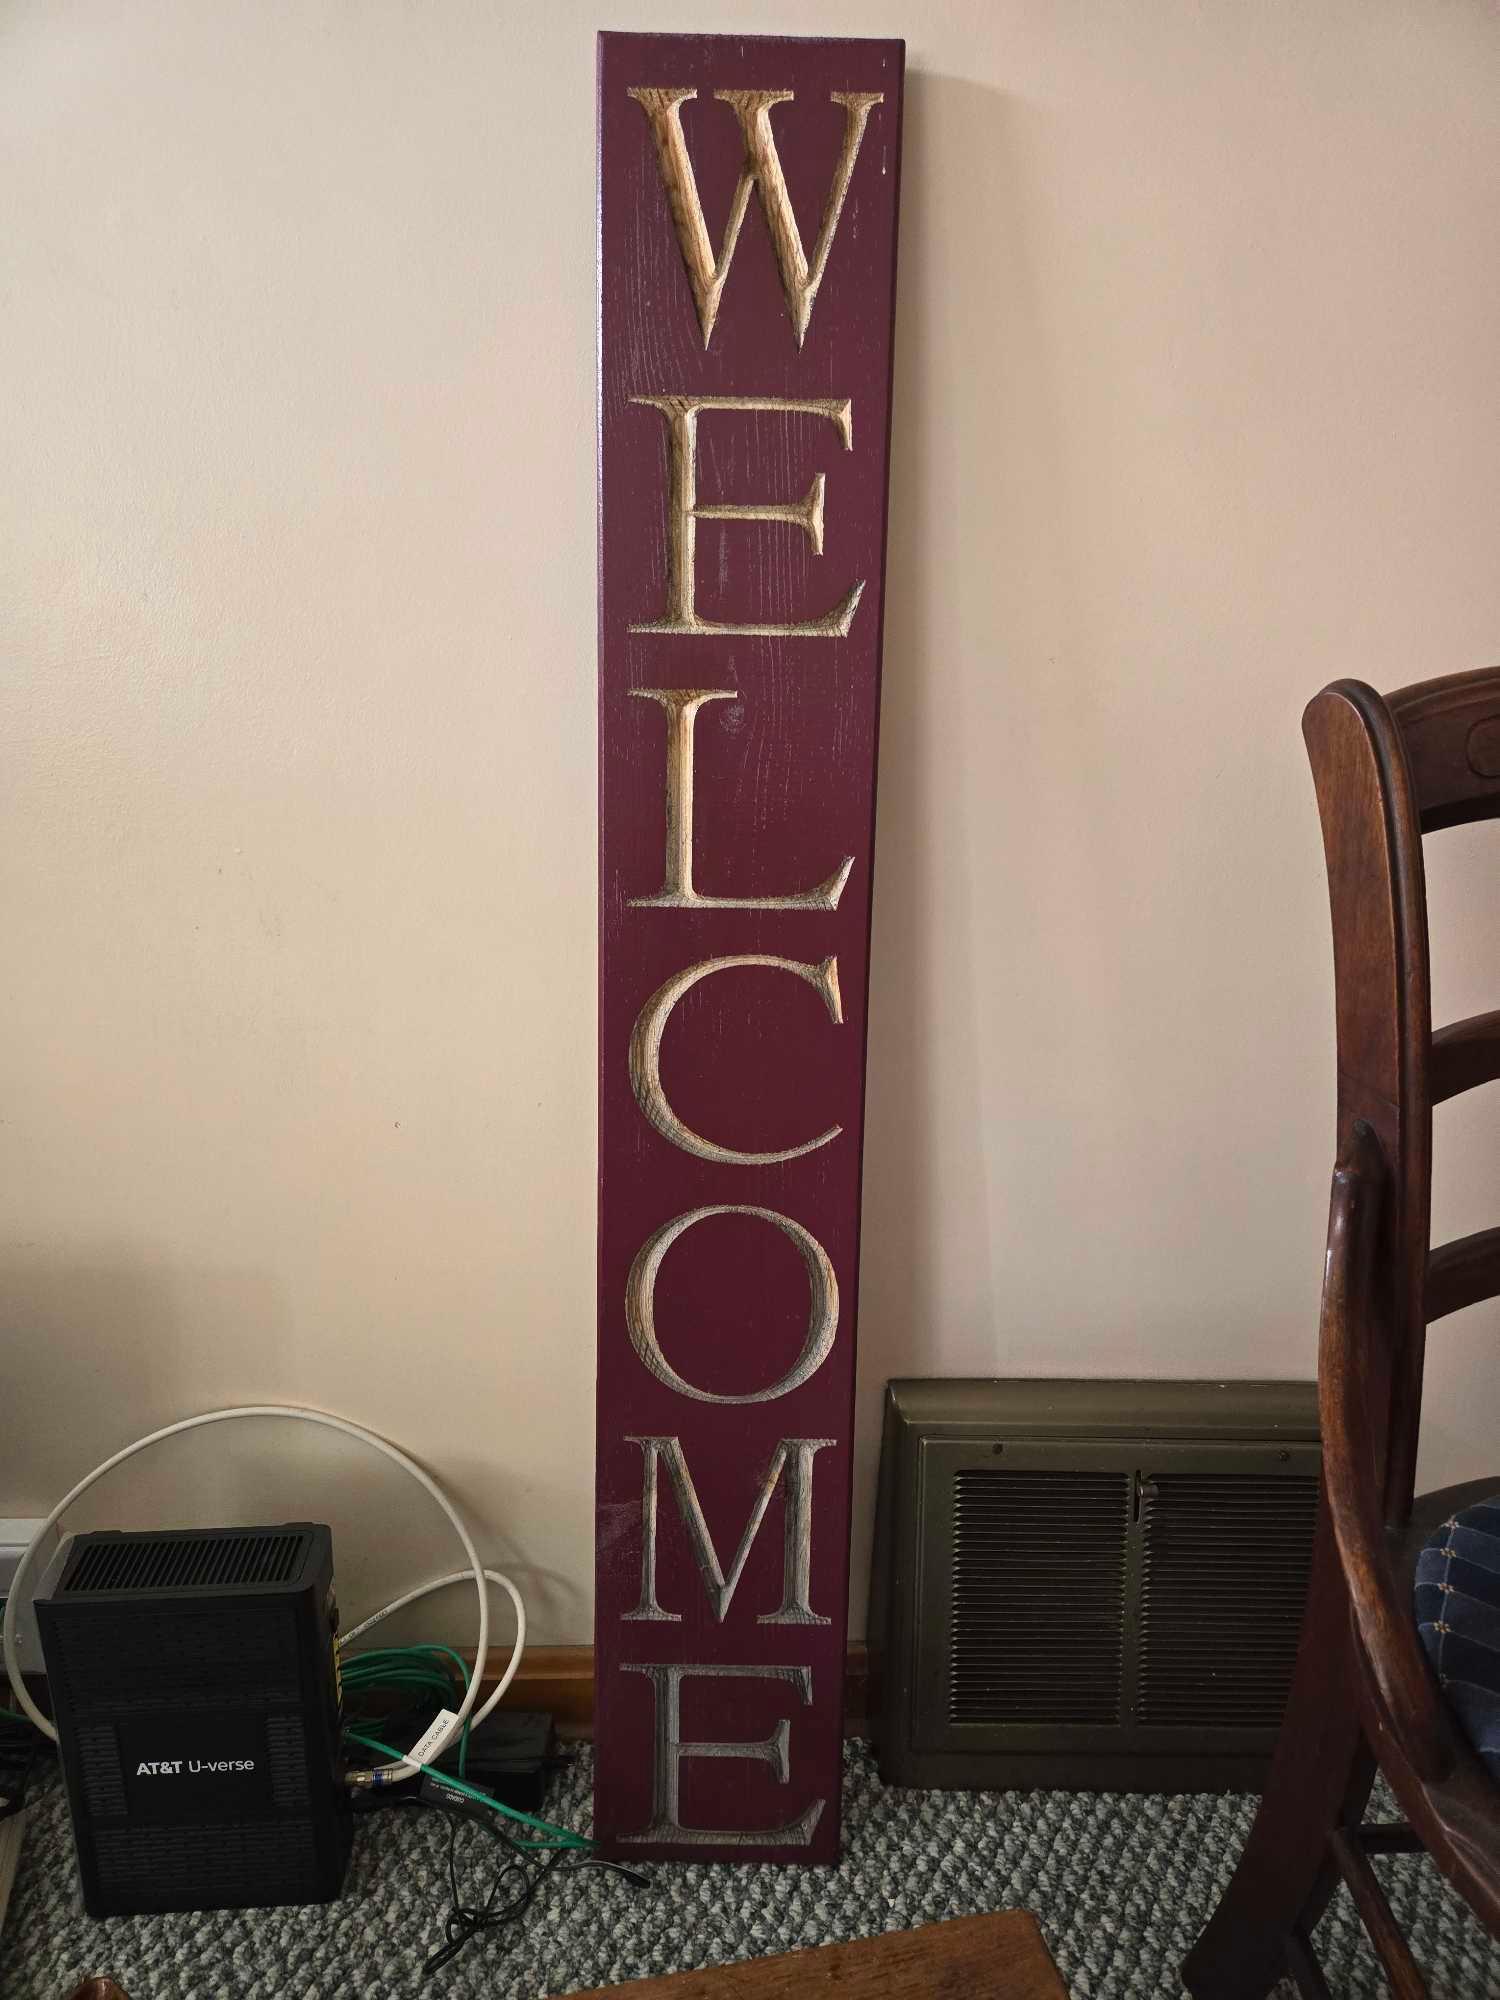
(1039,1562)
(1224,1580)
(1089,1583)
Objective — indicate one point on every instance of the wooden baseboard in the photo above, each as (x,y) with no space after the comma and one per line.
(559,1681)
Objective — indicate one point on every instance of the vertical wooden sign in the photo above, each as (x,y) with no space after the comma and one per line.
(747,254)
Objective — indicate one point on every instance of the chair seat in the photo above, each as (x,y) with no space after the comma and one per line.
(1456,1599)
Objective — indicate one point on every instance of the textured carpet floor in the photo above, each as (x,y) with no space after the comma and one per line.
(1121,1886)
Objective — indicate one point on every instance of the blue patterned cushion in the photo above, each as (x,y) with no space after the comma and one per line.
(1457,1599)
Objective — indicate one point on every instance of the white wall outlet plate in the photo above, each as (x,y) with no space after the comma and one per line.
(15,1538)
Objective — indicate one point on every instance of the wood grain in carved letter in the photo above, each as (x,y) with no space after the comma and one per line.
(685,510)
(677,891)
(793,1460)
(645,1055)
(822,1306)
(762,172)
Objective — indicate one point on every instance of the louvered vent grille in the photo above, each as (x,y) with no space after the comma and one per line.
(1089,1584)
(213,1867)
(1039,1569)
(286,1746)
(98,1751)
(186,1562)
(1224,1583)
(143,1656)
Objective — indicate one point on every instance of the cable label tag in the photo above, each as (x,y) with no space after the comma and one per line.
(422,1751)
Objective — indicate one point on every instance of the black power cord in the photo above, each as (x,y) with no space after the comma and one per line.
(516,1880)
(467,1920)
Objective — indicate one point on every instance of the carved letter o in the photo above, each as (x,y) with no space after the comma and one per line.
(822,1317)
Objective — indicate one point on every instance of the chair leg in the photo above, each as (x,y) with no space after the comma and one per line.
(1320,1777)
(1304,1970)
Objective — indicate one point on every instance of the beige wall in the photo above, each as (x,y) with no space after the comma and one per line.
(1198,403)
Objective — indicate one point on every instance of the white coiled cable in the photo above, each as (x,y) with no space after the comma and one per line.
(297,1413)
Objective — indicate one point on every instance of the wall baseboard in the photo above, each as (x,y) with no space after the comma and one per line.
(559,1681)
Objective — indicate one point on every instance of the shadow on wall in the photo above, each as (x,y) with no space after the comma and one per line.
(555,1602)
(98,1355)
(975,448)
(999,879)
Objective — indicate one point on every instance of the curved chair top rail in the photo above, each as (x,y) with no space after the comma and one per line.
(1451,730)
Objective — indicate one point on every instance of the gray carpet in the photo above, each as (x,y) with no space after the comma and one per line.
(1121,1886)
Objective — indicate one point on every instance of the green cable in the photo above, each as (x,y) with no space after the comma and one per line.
(397,1677)
(564,1837)
(380,1661)
(412,1666)
(400,1677)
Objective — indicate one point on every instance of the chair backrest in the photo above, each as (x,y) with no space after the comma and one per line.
(1387,770)
(1451,732)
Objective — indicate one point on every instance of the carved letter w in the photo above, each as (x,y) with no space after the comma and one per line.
(761,171)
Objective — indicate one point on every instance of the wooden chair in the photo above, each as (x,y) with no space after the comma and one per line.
(1387,771)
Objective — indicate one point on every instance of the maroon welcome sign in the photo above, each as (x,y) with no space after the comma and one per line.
(747,254)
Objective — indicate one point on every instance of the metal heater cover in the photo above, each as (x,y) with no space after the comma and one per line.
(1094,1585)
